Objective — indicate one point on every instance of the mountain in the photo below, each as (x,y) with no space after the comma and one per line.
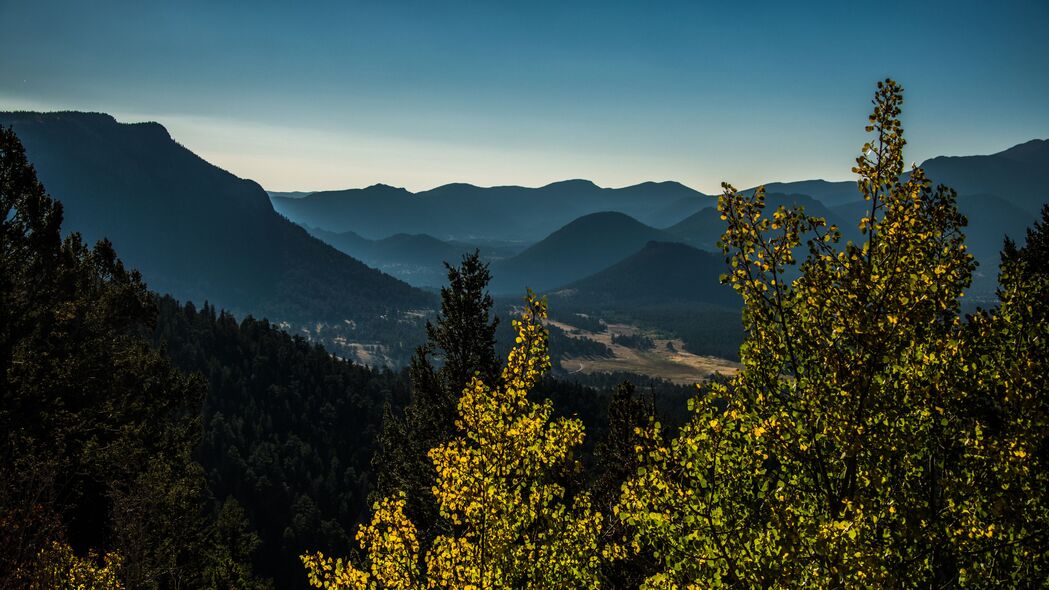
(680,209)
(347,242)
(193,229)
(1019,174)
(991,218)
(289,194)
(467,212)
(417,259)
(370,212)
(661,273)
(583,247)
(828,193)
(704,228)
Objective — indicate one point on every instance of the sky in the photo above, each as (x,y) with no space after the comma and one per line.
(327,95)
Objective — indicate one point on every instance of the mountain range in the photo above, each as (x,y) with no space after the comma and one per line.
(468,212)
(415,258)
(199,232)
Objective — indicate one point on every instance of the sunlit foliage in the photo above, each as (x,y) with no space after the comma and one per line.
(58,568)
(499,484)
(872,438)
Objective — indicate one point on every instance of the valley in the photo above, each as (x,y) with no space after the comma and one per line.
(312,350)
(524,295)
(666,359)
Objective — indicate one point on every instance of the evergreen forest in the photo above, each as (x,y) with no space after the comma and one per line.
(880,431)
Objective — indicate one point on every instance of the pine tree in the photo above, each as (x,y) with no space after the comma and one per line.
(231,547)
(463,342)
(616,461)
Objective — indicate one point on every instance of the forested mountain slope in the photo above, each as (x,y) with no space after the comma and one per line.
(193,229)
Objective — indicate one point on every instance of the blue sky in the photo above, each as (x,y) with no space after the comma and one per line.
(307,96)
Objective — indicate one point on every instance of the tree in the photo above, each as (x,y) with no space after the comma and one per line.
(98,427)
(845,451)
(463,338)
(289,431)
(512,525)
(617,461)
(231,549)
(58,568)
(1002,533)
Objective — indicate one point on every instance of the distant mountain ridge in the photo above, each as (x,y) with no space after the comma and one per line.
(415,258)
(1019,174)
(829,193)
(464,211)
(197,231)
(194,230)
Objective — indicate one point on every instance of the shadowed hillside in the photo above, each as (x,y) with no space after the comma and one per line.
(415,258)
(1019,174)
(579,249)
(661,273)
(193,229)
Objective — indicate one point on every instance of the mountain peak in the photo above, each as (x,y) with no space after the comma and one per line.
(603,219)
(148,129)
(385,188)
(455,186)
(664,187)
(659,183)
(575,183)
(1029,151)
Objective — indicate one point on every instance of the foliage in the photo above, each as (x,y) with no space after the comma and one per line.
(1003,520)
(58,568)
(288,430)
(849,451)
(97,426)
(616,461)
(232,547)
(463,340)
(513,526)
(281,410)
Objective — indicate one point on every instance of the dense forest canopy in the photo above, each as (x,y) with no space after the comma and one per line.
(875,434)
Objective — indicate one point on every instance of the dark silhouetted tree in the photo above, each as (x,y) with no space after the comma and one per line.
(462,344)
